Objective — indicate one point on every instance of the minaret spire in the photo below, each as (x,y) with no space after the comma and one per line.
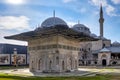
(101,11)
(101,21)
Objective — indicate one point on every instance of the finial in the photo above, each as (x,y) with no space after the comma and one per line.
(54,13)
(78,21)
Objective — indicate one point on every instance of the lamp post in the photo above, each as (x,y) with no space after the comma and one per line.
(15,57)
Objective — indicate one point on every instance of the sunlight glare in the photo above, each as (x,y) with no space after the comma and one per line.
(15,1)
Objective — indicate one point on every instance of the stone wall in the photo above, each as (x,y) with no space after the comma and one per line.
(61,56)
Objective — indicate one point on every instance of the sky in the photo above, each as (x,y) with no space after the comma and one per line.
(18,16)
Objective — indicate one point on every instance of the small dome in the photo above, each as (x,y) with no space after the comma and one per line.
(52,21)
(93,35)
(81,28)
(115,43)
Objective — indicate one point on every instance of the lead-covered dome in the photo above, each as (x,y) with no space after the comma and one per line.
(93,35)
(52,21)
(115,43)
(81,28)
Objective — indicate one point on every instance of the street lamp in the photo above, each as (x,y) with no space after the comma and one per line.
(15,57)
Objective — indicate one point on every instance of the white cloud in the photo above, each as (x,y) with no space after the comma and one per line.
(110,10)
(83,10)
(116,1)
(98,2)
(6,33)
(14,23)
(71,24)
(67,1)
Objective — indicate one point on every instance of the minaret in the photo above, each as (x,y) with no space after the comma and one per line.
(101,21)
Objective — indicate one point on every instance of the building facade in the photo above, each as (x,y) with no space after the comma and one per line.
(53,54)
(101,52)
(7,54)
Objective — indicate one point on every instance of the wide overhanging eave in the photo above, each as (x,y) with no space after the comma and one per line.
(23,36)
(66,32)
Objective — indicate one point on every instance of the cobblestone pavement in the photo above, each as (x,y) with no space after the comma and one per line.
(80,72)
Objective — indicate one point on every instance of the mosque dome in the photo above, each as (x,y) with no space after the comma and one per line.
(93,35)
(52,21)
(81,28)
(115,43)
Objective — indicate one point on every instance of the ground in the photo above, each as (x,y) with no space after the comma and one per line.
(13,77)
(83,73)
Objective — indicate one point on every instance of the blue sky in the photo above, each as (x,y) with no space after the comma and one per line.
(17,16)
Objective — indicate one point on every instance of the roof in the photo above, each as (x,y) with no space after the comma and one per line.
(79,25)
(114,49)
(81,28)
(63,30)
(115,43)
(104,50)
(94,35)
(52,21)
(102,38)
